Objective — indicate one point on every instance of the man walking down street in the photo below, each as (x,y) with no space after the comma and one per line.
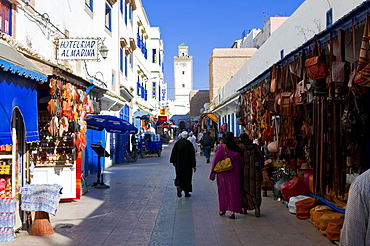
(207,143)
(183,159)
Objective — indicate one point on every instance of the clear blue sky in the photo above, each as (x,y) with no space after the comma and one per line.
(205,25)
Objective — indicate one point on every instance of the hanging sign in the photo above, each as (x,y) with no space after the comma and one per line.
(163,92)
(78,49)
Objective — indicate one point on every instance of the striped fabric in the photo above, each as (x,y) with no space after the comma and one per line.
(363,70)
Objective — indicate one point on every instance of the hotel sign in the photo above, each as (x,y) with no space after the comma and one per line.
(78,49)
(163,93)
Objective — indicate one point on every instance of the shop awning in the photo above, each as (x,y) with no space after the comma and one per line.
(14,62)
(17,79)
(111,103)
(213,117)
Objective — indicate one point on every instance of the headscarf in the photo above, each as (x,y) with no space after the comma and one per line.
(230,143)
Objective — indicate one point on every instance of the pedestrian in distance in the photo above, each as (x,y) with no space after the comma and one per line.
(183,159)
(220,134)
(220,141)
(193,140)
(199,140)
(356,227)
(207,143)
(251,175)
(228,182)
(200,135)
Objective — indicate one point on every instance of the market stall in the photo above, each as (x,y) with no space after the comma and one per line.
(56,158)
(18,126)
(311,108)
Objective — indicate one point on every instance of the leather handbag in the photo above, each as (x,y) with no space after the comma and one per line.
(285,106)
(273,147)
(333,229)
(300,88)
(223,165)
(316,68)
(293,187)
(274,79)
(324,218)
(268,132)
(339,67)
(304,207)
(363,70)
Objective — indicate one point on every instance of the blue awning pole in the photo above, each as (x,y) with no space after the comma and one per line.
(14,154)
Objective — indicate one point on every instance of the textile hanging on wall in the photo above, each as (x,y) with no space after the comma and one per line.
(41,197)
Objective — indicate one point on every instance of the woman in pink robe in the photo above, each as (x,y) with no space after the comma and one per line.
(229,182)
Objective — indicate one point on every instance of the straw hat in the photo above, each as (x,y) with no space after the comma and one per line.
(305,166)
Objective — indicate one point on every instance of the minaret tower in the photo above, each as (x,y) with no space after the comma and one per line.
(183,75)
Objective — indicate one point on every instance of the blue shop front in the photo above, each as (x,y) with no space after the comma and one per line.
(18,125)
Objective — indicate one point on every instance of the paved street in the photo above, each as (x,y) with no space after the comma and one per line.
(141,208)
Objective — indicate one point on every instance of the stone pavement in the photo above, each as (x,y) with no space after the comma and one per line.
(141,208)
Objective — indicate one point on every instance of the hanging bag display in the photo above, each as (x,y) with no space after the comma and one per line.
(363,70)
(223,165)
(273,147)
(285,97)
(339,67)
(274,79)
(316,68)
(268,132)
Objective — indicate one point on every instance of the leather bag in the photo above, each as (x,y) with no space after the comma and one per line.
(310,184)
(339,67)
(318,209)
(292,202)
(363,70)
(274,79)
(293,187)
(273,147)
(300,88)
(333,229)
(304,207)
(223,165)
(316,68)
(324,218)
(285,106)
(268,132)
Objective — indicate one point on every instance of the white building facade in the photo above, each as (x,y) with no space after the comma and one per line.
(128,76)
(291,34)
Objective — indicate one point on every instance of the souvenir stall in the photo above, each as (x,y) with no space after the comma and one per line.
(309,112)
(56,158)
(209,122)
(18,126)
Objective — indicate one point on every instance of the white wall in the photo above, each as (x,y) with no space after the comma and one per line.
(295,31)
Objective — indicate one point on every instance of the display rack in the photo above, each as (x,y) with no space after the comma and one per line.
(53,158)
(7,198)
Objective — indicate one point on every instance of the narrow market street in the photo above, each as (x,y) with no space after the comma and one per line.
(141,208)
